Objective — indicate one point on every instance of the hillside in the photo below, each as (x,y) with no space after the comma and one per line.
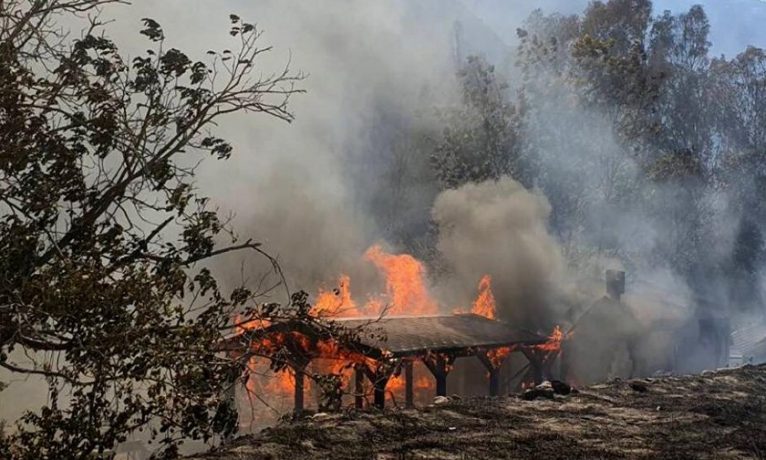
(714,415)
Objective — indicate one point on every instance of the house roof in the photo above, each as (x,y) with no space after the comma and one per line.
(403,335)
(400,336)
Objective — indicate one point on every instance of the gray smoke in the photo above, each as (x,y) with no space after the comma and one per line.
(310,190)
(499,228)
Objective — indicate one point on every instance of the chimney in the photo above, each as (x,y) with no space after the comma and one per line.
(615,284)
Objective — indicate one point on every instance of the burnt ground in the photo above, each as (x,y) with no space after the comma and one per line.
(713,415)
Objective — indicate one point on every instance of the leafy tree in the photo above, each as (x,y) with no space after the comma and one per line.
(739,95)
(611,57)
(679,51)
(567,137)
(103,281)
(747,258)
(479,141)
(740,92)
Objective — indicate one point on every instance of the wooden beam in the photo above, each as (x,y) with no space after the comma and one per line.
(299,377)
(484,360)
(536,365)
(409,399)
(494,372)
(439,368)
(359,388)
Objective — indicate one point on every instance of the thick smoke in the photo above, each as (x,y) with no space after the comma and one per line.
(500,228)
(347,172)
(305,189)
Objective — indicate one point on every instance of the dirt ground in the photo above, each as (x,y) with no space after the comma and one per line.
(719,415)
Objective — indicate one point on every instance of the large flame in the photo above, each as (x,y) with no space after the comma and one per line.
(484,305)
(406,291)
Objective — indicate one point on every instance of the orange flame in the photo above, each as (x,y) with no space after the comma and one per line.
(406,289)
(337,302)
(484,305)
(422,384)
(262,381)
(554,341)
(498,355)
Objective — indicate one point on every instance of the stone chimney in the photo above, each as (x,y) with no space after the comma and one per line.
(615,284)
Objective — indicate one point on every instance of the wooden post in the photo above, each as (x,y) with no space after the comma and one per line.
(535,365)
(359,388)
(564,362)
(494,373)
(438,368)
(546,367)
(441,377)
(380,392)
(379,377)
(298,408)
(494,382)
(408,390)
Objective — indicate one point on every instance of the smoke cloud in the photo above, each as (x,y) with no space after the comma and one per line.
(500,228)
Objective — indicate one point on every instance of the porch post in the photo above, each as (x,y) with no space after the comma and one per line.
(494,372)
(408,390)
(358,388)
(299,378)
(438,368)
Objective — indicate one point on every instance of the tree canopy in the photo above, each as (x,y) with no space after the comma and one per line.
(105,289)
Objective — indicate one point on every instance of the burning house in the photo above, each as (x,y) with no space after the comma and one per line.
(403,347)
(390,347)
(400,346)
(605,337)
